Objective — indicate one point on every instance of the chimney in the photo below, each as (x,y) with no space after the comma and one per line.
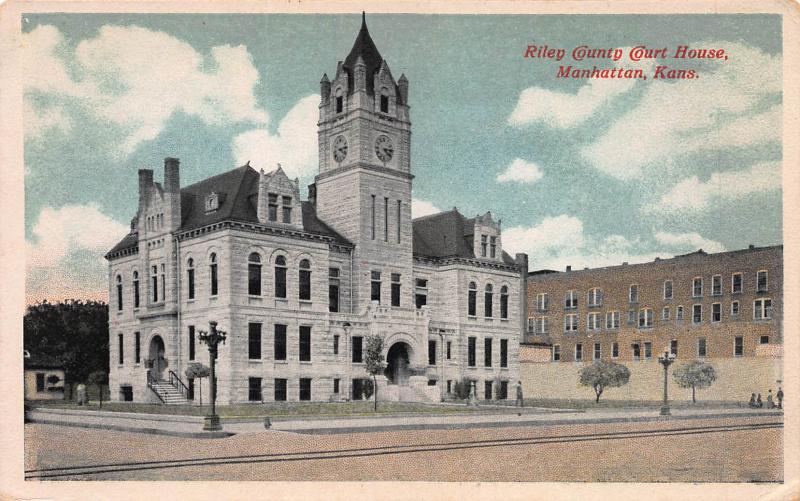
(172,177)
(262,209)
(522,263)
(312,194)
(325,88)
(569,268)
(145,182)
(751,246)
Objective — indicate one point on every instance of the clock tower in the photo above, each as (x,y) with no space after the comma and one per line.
(363,189)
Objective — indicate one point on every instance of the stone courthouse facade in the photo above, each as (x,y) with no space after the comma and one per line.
(298,285)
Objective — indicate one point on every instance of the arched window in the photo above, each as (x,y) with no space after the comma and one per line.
(119,293)
(254,274)
(135,289)
(154,281)
(384,101)
(305,280)
(190,277)
(472,299)
(280,277)
(339,101)
(487,301)
(213,269)
(504,302)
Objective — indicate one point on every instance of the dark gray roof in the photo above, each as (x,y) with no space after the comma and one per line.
(365,48)
(41,361)
(446,234)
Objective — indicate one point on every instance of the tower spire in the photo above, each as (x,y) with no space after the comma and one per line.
(363,19)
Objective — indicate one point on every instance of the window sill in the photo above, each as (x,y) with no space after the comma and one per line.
(306,362)
(488,319)
(504,320)
(280,362)
(255,360)
(472,317)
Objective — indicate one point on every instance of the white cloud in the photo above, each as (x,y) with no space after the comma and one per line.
(718,110)
(560,241)
(37,122)
(691,194)
(692,240)
(421,208)
(564,110)
(520,171)
(137,79)
(58,235)
(294,145)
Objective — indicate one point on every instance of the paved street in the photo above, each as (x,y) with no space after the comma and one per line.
(709,450)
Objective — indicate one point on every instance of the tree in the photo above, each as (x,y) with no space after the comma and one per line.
(373,361)
(695,374)
(602,375)
(196,370)
(98,378)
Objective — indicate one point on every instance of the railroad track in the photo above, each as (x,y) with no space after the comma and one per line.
(321,455)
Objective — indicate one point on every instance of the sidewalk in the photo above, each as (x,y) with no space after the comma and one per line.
(191,426)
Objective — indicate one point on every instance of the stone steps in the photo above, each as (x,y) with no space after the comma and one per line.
(168,393)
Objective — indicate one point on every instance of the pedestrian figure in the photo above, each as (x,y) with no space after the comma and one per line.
(81,391)
(759,403)
(473,399)
(752,402)
(780,398)
(520,402)
(770,403)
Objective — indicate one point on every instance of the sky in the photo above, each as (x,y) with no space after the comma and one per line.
(581,172)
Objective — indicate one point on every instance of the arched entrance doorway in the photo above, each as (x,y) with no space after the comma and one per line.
(397,360)
(156,356)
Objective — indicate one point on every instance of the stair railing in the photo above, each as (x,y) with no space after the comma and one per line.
(151,381)
(178,384)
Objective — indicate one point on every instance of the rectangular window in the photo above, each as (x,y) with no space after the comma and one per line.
(40,381)
(154,280)
(637,352)
(421,292)
(736,283)
(449,386)
(612,320)
(492,247)
(280,342)
(570,300)
(502,393)
(614,350)
(761,281)
(648,350)
(335,344)
(339,108)
(273,206)
(762,309)
(556,353)
(304,276)
(697,287)
(667,289)
(449,349)
(372,218)
(763,340)
(163,283)
(214,282)
(578,352)
(396,289)
(595,297)
(483,245)
(336,385)
(375,286)
(697,313)
(191,342)
(597,352)
(280,390)
(701,347)
(137,347)
(673,347)
(487,352)
(121,349)
(679,313)
(472,299)
(716,312)
(571,322)
(541,302)
(542,325)
(357,349)
(399,220)
(333,295)
(305,389)
(504,353)
(487,302)
(716,285)
(665,313)
(645,318)
(385,219)
(254,279)
(738,346)
(593,321)
(254,389)
(734,308)
(487,390)
(431,352)
(305,343)
(254,341)
(287,209)
(631,317)
(633,293)
(190,284)
(471,352)
(119,296)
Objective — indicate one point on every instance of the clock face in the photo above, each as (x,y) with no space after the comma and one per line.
(384,148)
(339,149)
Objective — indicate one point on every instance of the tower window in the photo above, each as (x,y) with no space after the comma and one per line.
(287,209)
(273,206)
(384,103)
(339,101)
(375,286)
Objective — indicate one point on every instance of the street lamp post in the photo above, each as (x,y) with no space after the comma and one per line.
(212,338)
(666,360)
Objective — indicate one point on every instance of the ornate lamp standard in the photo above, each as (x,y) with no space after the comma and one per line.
(212,338)
(666,360)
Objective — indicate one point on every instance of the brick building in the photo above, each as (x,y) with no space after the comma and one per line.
(698,305)
(298,285)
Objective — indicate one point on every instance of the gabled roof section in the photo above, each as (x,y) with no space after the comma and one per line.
(364,48)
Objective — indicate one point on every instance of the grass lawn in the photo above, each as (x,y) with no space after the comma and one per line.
(589,403)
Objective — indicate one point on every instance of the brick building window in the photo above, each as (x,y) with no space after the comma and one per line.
(612,320)
(595,297)
(280,277)
(673,347)
(570,300)
(761,281)
(597,352)
(254,389)
(487,301)
(637,351)
(542,302)
(279,345)
(667,289)
(504,302)
(420,292)
(701,347)
(304,275)
(254,341)
(305,389)
(395,289)
(716,285)
(697,287)
(472,299)
(556,353)
(738,346)
(734,308)
(333,290)
(212,268)
(305,343)
(571,322)
(763,340)
(578,352)
(716,312)
(471,351)
(679,313)
(648,350)
(762,309)
(189,278)
(135,289)
(697,313)
(254,274)
(645,318)
(280,390)
(736,283)
(357,344)
(615,350)
(504,353)
(665,313)
(375,286)
(542,325)
(593,321)
(633,293)
(487,352)
(631,317)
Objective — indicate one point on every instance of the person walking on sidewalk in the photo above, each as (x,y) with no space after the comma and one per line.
(780,397)
(520,402)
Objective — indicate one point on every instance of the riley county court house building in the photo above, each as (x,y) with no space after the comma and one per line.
(724,308)
(298,285)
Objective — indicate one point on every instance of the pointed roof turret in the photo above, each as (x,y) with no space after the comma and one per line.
(364,48)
